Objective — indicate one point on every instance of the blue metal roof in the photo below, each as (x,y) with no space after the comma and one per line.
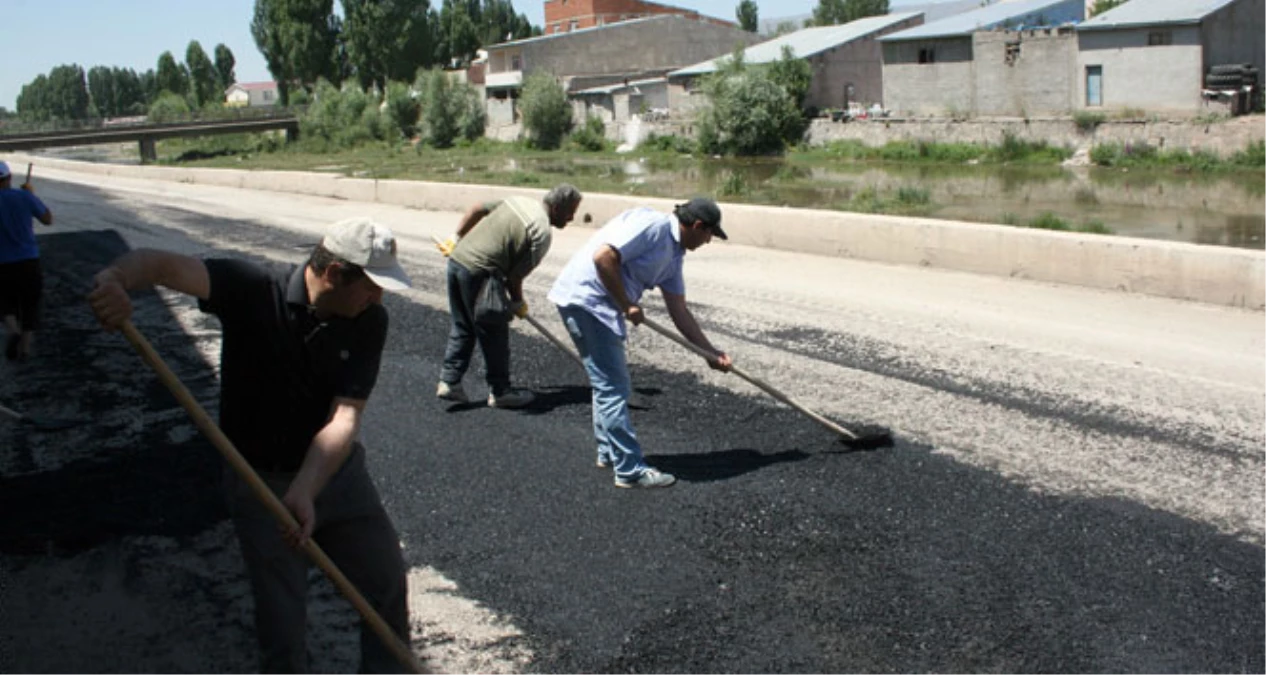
(804,43)
(1153,12)
(1012,14)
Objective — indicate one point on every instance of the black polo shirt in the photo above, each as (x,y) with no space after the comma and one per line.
(280,366)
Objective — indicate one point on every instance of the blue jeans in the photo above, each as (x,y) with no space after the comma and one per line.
(603,354)
(494,339)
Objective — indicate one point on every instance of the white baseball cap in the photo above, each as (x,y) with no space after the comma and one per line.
(4,170)
(363,242)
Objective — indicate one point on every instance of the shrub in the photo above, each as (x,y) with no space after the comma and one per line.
(1048,221)
(441,113)
(342,118)
(749,113)
(168,107)
(1253,155)
(547,115)
(733,185)
(1088,121)
(591,137)
(669,143)
(1106,154)
(402,109)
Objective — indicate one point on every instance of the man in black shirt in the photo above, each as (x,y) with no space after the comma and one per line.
(300,356)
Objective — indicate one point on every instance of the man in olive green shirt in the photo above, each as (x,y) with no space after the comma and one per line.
(509,239)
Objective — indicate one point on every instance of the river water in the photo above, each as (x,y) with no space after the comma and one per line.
(1217,208)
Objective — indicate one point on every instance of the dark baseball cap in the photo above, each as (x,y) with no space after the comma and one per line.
(704,210)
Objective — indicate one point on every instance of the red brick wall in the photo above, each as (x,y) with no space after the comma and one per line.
(562,16)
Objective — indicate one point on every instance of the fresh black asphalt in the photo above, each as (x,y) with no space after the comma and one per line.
(778,551)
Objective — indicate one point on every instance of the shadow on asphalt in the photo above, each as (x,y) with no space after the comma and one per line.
(134,466)
(722,464)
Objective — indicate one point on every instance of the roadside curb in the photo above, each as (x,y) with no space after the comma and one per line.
(1208,274)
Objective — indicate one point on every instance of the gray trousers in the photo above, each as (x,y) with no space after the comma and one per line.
(355,532)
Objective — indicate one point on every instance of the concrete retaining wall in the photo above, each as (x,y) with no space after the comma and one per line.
(1223,276)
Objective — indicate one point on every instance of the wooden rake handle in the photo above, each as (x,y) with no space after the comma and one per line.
(265,495)
(557,342)
(759,383)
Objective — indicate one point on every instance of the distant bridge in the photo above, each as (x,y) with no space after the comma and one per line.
(148,134)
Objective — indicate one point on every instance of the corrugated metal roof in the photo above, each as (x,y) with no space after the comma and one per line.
(612,88)
(1152,12)
(804,43)
(992,16)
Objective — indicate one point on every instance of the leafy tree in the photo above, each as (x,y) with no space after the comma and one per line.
(834,12)
(750,112)
(794,74)
(61,95)
(784,27)
(171,76)
(748,15)
(225,76)
(441,112)
(547,115)
(459,36)
(101,90)
(387,39)
(451,111)
(204,86)
(298,39)
(1102,6)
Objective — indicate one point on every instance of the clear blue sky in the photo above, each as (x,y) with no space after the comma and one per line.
(37,35)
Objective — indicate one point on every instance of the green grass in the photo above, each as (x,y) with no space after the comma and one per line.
(1142,155)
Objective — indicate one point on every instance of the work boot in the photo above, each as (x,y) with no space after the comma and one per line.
(650,478)
(511,398)
(451,392)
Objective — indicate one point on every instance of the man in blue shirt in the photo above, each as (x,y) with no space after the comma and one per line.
(21,280)
(601,287)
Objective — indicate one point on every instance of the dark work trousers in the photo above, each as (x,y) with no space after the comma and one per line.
(355,532)
(22,292)
(494,339)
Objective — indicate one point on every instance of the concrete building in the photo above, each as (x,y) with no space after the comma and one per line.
(1009,58)
(564,16)
(622,52)
(251,94)
(1153,55)
(846,61)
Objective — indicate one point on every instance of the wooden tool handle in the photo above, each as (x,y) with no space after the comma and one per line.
(557,342)
(270,500)
(761,384)
(28,173)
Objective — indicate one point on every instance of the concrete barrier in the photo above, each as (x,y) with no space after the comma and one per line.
(1209,274)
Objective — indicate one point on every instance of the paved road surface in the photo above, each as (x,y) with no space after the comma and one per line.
(1077,483)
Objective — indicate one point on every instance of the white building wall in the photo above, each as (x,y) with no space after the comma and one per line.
(1161,78)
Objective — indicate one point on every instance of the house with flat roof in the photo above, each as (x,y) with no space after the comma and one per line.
(614,53)
(846,61)
(251,94)
(1158,55)
(1011,58)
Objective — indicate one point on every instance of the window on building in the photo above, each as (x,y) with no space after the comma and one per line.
(268,95)
(558,28)
(516,63)
(575,23)
(927,55)
(1012,53)
(1160,37)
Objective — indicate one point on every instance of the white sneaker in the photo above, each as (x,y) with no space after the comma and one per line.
(650,478)
(451,392)
(511,398)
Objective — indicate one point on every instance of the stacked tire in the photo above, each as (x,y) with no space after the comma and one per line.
(1231,76)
